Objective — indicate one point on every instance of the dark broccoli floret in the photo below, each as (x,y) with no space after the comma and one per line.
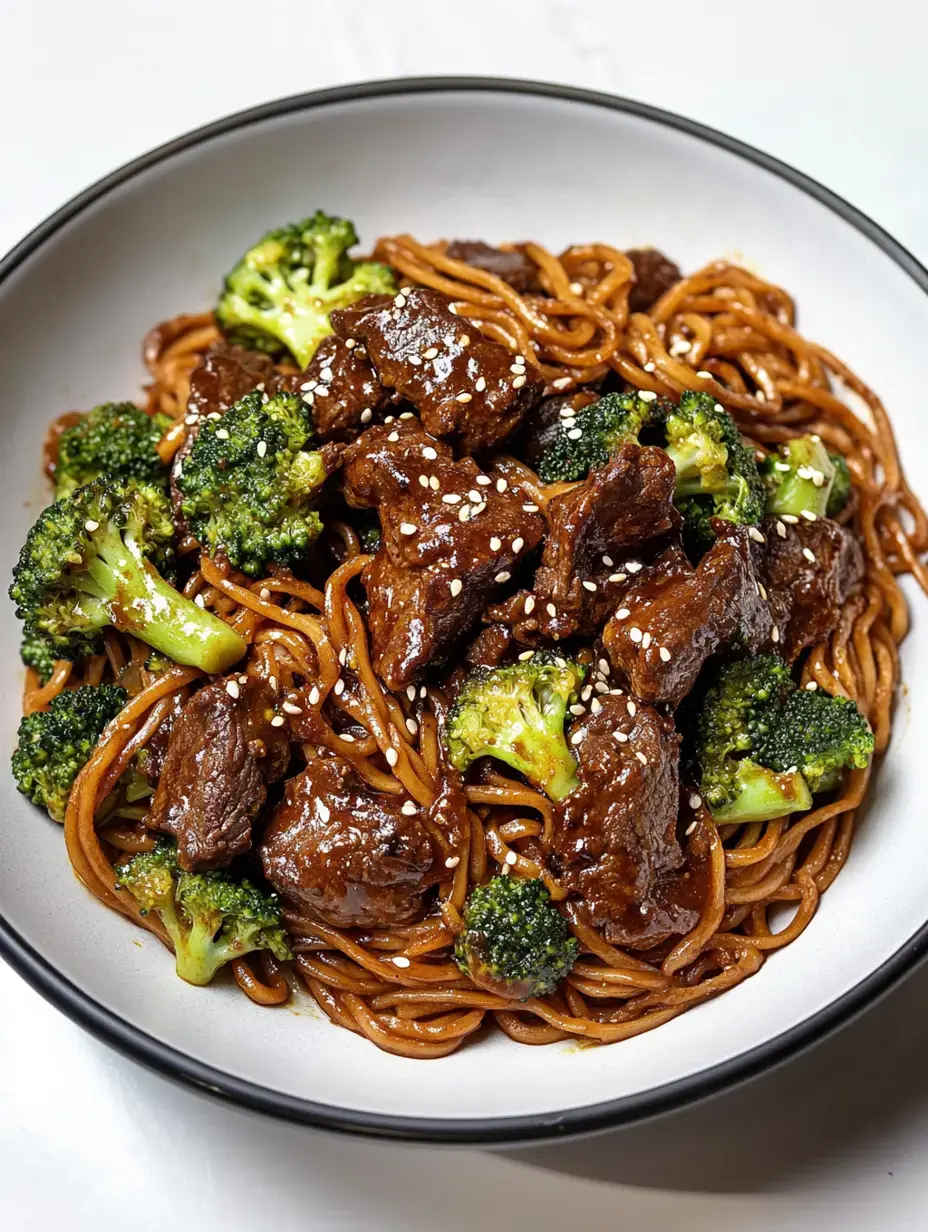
(799,477)
(88,562)
(40,653)
(594,434)
(516,714)
(114,441)
(740,707)
(840,488)
(819,735)
(55,743)
(279,296)
(250,482)
(515,942)
(368,529)
(211,918)
(715,469)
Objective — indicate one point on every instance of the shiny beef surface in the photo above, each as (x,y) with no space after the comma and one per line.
(221,755)
(654,274)
(511,265)
(451,539)
(462,384)
(341,388)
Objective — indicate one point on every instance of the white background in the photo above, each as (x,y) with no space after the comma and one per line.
(837,1139)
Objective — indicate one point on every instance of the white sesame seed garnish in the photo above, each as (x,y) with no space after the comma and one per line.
(781,466)
(596,705)
(423,692)
(623,613)
(434,483)
(191,419)
(484,481)
(517,544)
(809,555)
(641,757)
(222,434)
(511,858)
(719,408)
(400,300)
(351,343)
(620,736)
(415,361)
(261,449)
(278,720)
(451,498)
(464,515)
(574,434)
(412,726)
(272,681)
(408,808)
(308,385)
(635,633)
(518,382)
(400,960)
(811,686)
(756,535)
(591,586)
(503,576)
(465,397)
(617,577)
(479,507)
(91,525)
(214,415)
(411,692)
(393,437)
(339,688)
(646,641)
(313,696)
(632,709)
(423,481)
(452,862)
(407,528)
(501,485)
(456,587)
(430,353)
(232,688)
(474,495)
(808,515)
(689,829)
(649,366)
(367,416)
(762,590)
(781,529)
(529,508)
(526,654)
(648,395)
(665,654)
(600,686)
(480,384)
(695,801)
(569,420)
(790,518)
(774,634)
(576,737)
(550,609)
(608,562)
(529,605)
(392,757)
(804,472)
(429,453)
(577,709)
(292,708)
(634,566)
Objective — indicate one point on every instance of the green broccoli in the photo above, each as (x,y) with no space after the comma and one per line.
(757,751)
(516,714)
(819,735)
(114,441)
(515,942)
(211,918)
(55,743)
(840,488)
(85,565)
(799,477)
(588,439)
(250,482)
(279,297)
(40,653)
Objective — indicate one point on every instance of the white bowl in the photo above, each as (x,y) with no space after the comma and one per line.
(484,159)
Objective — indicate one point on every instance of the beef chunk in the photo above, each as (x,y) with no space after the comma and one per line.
(490,646)
(348,854)
(461,383)
(344,391)
(512,266)
(615,839)
(654,274)
(625,506)
(450,538)
(809,570)
(150,760)
(674,617)
(540,426)
(221,755)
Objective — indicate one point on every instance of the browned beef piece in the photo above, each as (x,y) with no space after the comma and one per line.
(348,854)
(615,839)
(809,570)
(674,617)
(489,647)
(654,274)
(540,426)
(151,759)
(450,539)
(513,267)
(342,388)
(222,753)
(461,383)
(622,509)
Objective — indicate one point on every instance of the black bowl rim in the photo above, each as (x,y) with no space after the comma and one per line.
(170,1062)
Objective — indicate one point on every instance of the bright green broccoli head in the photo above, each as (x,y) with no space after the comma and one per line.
(516,714)
(54,744)
(89,562)
(515,942)
(799,477)
(280,295)
(819,735)
(841,486)
(591,437)
(211,918)
(114,441)
(250,483)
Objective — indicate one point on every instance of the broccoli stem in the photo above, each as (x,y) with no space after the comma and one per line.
(806,482)
(133,596)
(763,794)
(198,957)
(559,774)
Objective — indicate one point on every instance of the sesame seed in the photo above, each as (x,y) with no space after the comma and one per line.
(464,340)
(526,654)
(452,862)
(392,757)
(649,366)
(518,382)
(327,374)
(608,562)
(393,437)
(591,586)
(623,613)
(518,369)
(577,709)
(567,412)
(261,448)
(474,495)
(308,385)
(562,382)
(665,654)
(695,801)
(635,633)
(529,605)
(415,361)
(409,808)
(222,434)
(774,634)
(756,535)
(762,590)
(689,829)
(464,514)
(596,705)
(91,525)
(343,656)
(480,384)
(809,555)
(484,480)
(620,736)
(278,720)
(451,498)
(808,515)
(347,737)
(323,810)
(479,507)
(641,757)
(550,609)
(351,343)
(367,416)
(569,420)
(511,858)
(818,478)
(781,529)
(434,483)
(411,692)
(429,453)
(781,466)
(423,481)
(529,508)
(631,708)
(292,708)
(576,737)
(574,434)
(412,726)
(719,408)
(456,587)
(191,419)
(646,641)
(501,485)
(647,395)
(617,577)
(214,415)
(423,691)
(465,397)
(339,688)
(706,375)
(430,353)
(634,566)
(407,528)
(811,686)
(600,686)
(503,576)
(243,679)
(313,696)
(199,601)
(400,961)
(272,681)
(400,301)
(517,544)
(232,688)
(804,472)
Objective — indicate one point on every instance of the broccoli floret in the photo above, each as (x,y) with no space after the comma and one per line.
(211,918)
(818,735)
(89,562)
(800,476)
(739,709)
(279,296)
(114,441)
(515,942)
(603,427)
(369,533)
(840,488)
(516,714)
(40,653)
(250,481)
(55,743)
(715,469)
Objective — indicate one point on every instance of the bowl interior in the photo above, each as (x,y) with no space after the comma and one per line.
(481,164)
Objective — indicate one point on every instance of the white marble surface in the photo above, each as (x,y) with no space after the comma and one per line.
(838,1138)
